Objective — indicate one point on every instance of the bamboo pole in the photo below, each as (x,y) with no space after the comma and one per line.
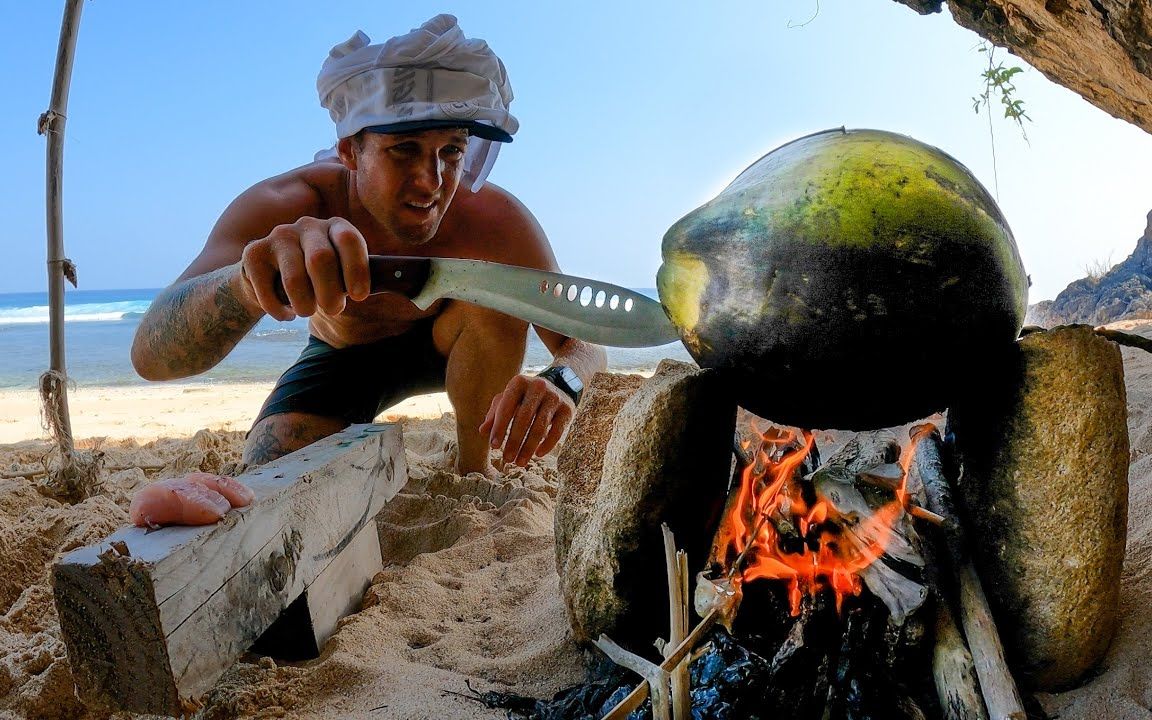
(52,124)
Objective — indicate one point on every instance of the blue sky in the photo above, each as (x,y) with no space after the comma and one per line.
(632,114)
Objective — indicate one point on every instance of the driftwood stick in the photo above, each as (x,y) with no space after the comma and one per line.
(24,475)
(999,689)
(625,707)
(929,467)
(1124,338)
(677,624)
(682,566)
(924,514)
(637,696)
(1000,693)
(677,614)
(655,676)
(885,478)
(681,682)
(957,687)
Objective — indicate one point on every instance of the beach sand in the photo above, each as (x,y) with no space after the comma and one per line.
(469,594)
(170,409)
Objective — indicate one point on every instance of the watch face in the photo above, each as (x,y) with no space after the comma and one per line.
(571,378)
(566,379)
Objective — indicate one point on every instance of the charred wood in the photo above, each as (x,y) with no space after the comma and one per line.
(861,687)
(866,452)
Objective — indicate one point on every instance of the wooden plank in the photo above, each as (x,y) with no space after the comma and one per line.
(152,619)
(304,626)
(339,589)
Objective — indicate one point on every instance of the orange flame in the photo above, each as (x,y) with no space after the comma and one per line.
(833,547)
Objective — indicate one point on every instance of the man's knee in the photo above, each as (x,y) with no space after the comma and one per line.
(495,331)
(277,435)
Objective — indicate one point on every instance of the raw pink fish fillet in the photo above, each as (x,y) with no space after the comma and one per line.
(196,499)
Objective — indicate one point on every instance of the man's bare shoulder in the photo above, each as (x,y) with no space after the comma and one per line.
(491,203)
(314,190)
(318,189)
(492,224)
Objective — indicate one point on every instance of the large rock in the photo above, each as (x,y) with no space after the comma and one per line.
(581,460)
(1101,49)
(1044,496)
(662,455)
(1124,292)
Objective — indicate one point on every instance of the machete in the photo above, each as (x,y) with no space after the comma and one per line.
(578,307)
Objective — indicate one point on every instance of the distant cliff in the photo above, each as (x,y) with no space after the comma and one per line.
(1123,292)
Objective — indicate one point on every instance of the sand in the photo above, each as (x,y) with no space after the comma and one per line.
(469,594)
(170,409)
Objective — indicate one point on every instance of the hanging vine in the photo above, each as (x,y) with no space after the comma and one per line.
(999,86)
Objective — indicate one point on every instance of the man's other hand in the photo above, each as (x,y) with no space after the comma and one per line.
(312,264)
(528,418)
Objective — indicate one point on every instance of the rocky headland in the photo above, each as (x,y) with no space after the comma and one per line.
(1124,292)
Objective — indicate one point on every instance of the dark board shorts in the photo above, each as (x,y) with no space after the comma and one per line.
(359,382)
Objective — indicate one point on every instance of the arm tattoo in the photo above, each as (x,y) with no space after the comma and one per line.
(192,326)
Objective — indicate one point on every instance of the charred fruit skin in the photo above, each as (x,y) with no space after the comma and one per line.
(848,279)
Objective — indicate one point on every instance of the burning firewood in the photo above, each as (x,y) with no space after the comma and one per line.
(841,525)
(874,534)
(996,684)
(818,644)
(657,679)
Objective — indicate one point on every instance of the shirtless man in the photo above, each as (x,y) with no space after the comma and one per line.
(416,119)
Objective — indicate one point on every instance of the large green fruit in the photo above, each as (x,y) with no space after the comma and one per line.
(848,279)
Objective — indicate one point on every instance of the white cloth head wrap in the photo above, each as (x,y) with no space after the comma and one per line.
(432,74)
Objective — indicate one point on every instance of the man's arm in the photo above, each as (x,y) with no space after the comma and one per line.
(531,414)
(193,324)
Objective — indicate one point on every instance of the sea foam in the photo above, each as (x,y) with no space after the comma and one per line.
(82,312)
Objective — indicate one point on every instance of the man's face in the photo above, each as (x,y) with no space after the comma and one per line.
(407,181)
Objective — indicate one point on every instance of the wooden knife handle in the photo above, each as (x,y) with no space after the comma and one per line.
(389,273)
(404,275)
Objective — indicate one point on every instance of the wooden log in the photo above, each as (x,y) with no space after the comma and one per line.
(866,451)
(1001,697)
(957,687)
(996,682)
(151,619)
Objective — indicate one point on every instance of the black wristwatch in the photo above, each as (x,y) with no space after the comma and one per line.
(566,379)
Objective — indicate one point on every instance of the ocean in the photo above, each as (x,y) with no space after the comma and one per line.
(99,326)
